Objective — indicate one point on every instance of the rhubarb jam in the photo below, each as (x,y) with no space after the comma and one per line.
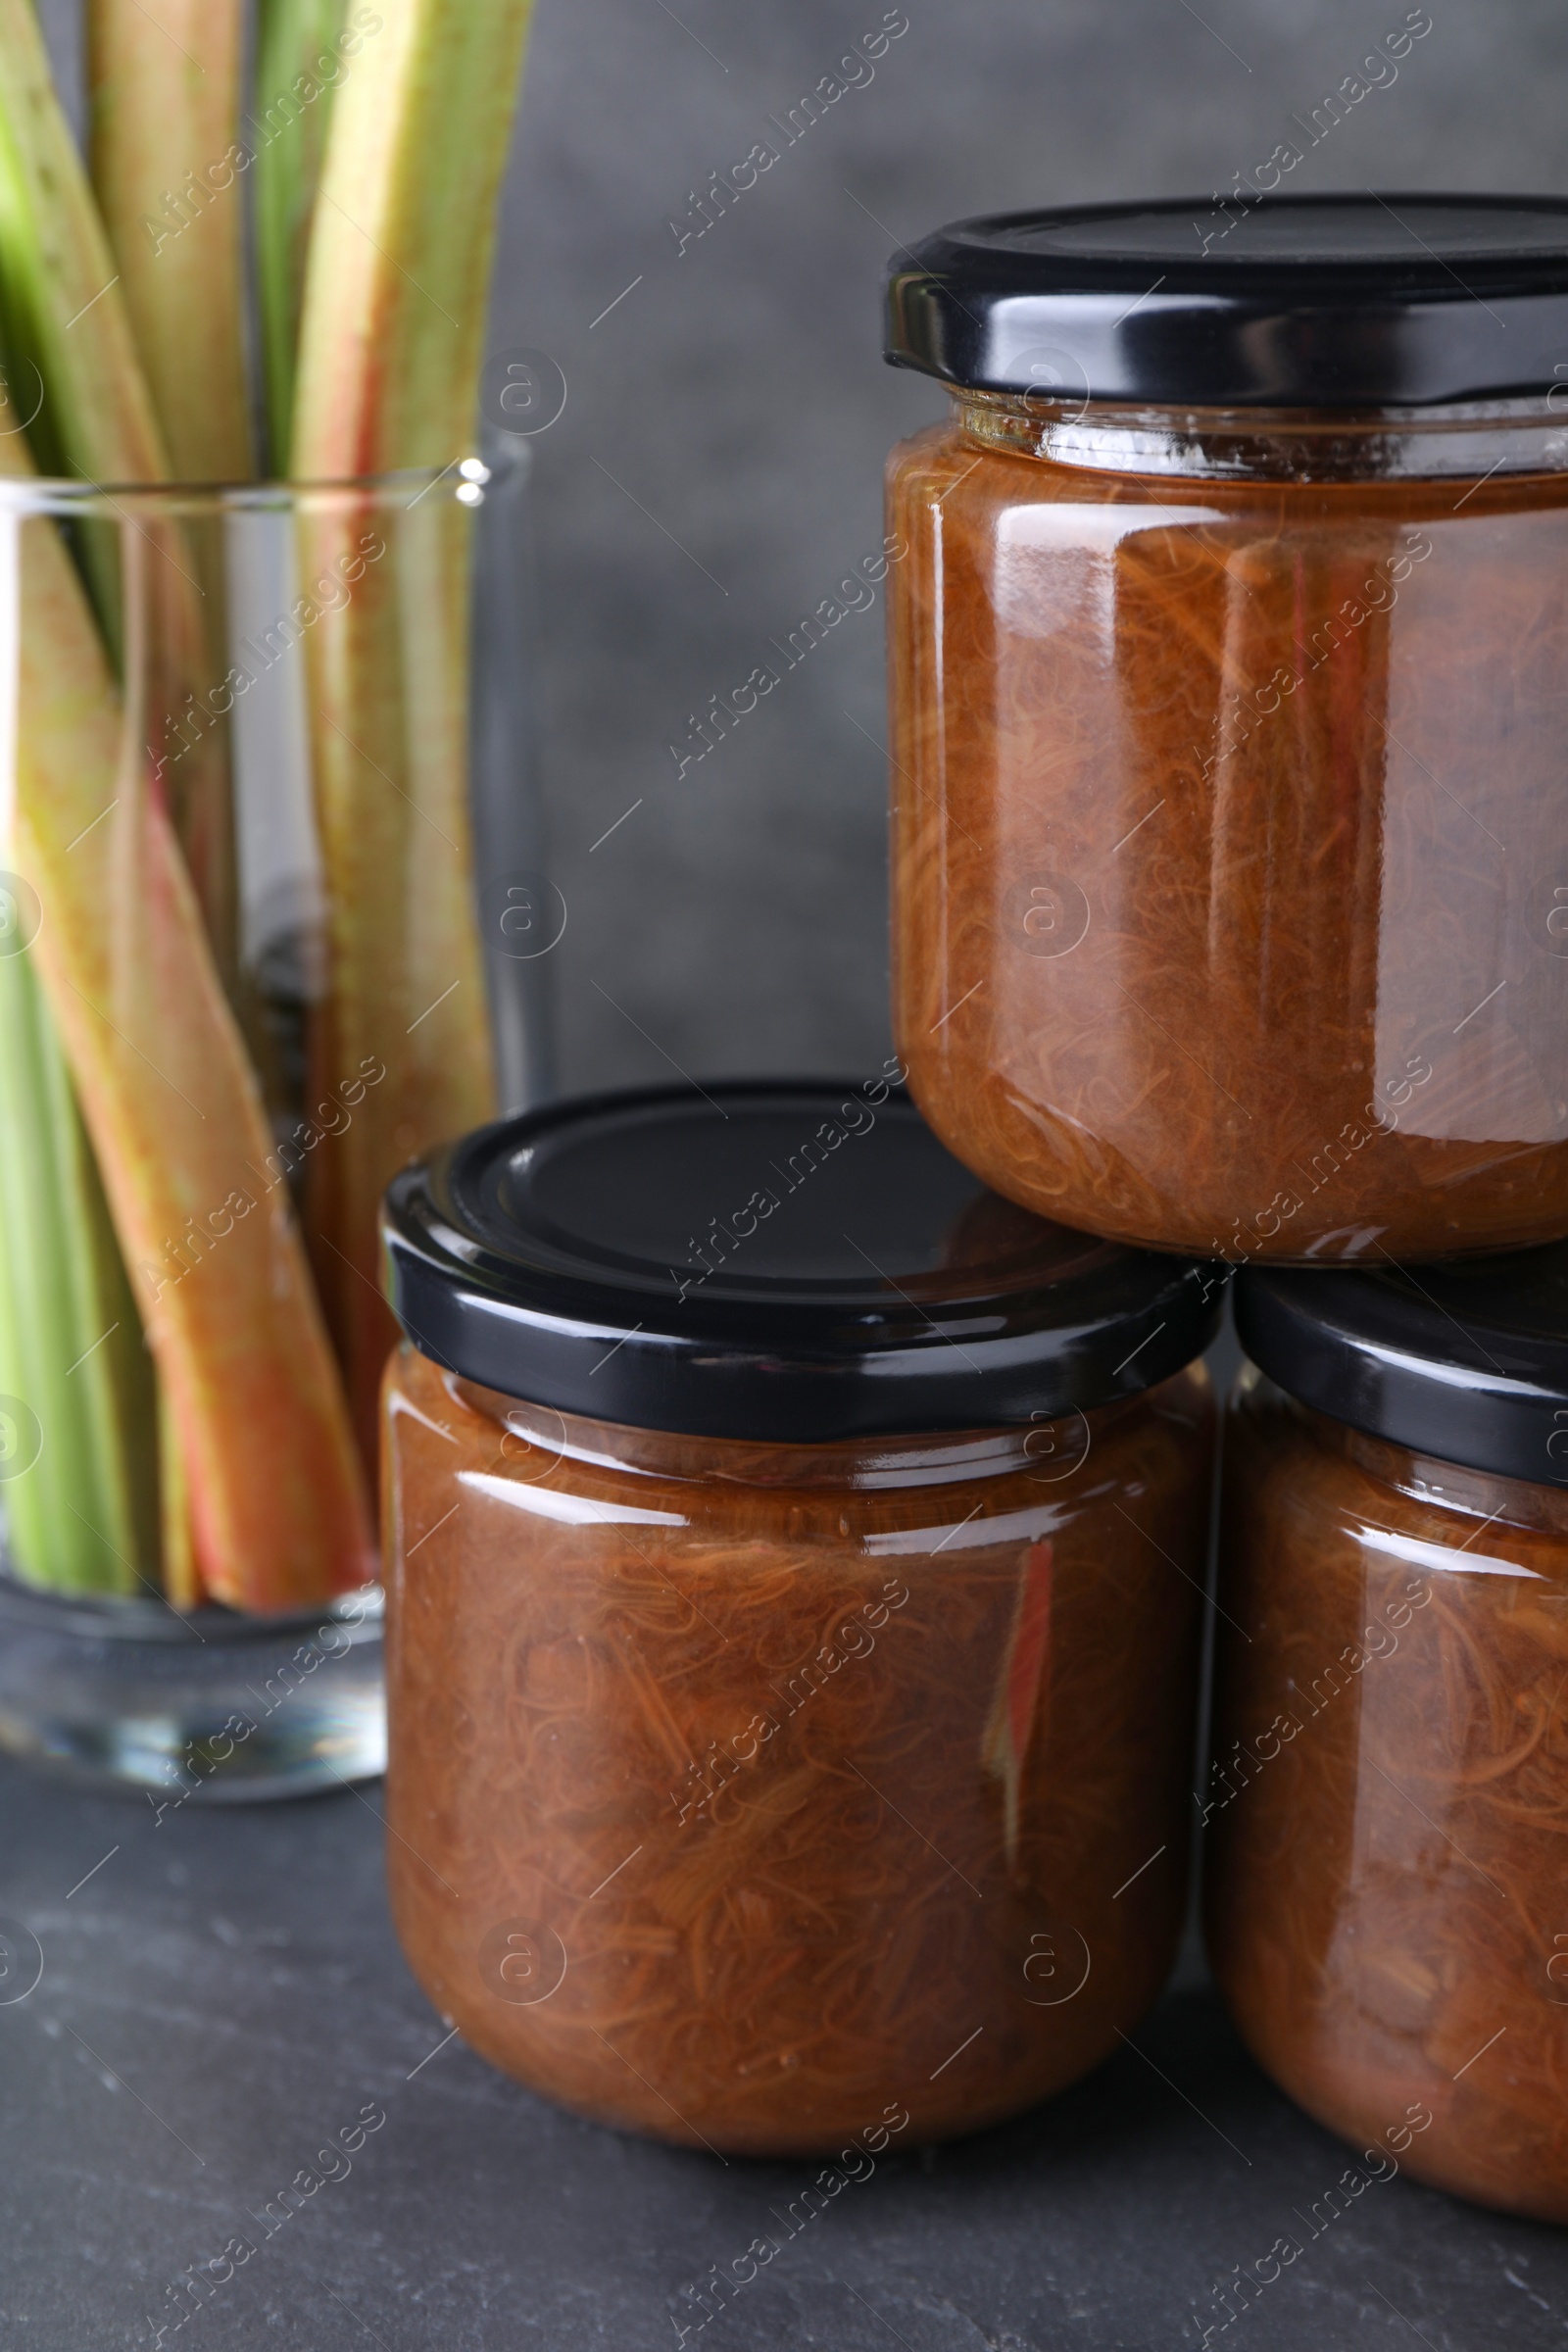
(1229,684)
(793,1570)
(1387,1811)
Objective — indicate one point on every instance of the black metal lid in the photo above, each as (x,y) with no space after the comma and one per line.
(1467,1362)
(1339,302)
(788,1262)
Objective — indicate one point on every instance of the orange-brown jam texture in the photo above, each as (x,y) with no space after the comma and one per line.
(1386,1873)
(1231,849)
(796,1820)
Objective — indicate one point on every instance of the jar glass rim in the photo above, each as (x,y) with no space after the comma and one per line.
(1049,1449)
(1460,440)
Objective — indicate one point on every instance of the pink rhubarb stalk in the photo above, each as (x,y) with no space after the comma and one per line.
(390,348)
(164,78)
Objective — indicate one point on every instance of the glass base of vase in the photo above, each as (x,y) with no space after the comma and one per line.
(210,1708)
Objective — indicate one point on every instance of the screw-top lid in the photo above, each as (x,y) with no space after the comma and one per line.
(1467,1362)
(795,1262)
(1340,302)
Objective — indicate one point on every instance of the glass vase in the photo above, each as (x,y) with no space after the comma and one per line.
(272,922)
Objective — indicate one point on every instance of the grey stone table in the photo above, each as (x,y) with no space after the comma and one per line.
(221,1998)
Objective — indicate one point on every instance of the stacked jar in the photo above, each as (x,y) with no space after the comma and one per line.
(1387,1802)
(1229,659)
(794,1564)
(1230,755)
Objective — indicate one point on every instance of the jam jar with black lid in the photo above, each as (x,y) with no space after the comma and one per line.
(794,1566)
(1229,680)
(1387,1810)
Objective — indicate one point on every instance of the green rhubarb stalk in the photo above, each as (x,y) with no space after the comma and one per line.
(82,1516)
(75,375)
(390,349)
(277,1506)
(164,87)
(300,58)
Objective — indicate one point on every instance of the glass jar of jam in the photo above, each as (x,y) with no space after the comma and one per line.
(1229,653)
(794,1566)
(1387,1871)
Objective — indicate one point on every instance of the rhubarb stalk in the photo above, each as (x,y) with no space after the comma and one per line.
(75,374)
(74,370)
(390,348)
(81,1510)
(299,63)
(163,84)
(81,1516)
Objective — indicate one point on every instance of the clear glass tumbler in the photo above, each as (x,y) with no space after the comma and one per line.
(270,923)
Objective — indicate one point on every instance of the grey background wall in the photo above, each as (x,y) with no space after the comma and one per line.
(716,468)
